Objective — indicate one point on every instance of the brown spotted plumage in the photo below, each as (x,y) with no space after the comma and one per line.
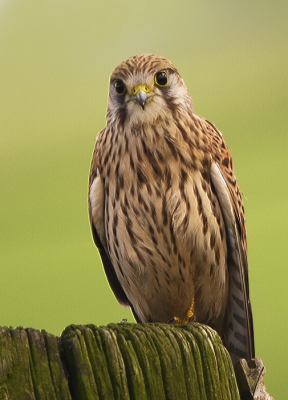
(165,208)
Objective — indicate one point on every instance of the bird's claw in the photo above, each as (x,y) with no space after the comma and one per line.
(190,316)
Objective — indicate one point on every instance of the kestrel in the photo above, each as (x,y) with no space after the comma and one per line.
(165,207)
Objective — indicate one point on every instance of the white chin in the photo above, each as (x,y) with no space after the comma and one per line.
(137,115)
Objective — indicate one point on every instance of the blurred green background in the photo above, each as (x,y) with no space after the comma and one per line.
(55,60)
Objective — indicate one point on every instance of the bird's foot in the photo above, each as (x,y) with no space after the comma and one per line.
(190,316)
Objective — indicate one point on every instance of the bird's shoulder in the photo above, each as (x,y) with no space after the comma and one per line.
(97,154)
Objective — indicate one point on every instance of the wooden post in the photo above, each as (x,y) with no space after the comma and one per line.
(118,361)
(30,366)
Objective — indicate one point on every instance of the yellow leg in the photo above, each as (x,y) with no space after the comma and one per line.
(190,316)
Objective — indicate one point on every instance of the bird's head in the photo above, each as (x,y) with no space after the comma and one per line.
(145,87)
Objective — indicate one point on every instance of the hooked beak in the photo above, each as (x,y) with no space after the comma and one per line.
(141,94)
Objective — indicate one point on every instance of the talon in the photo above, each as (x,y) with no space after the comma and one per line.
(190,316)
(176,320)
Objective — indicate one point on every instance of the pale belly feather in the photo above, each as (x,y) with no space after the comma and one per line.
(167,247)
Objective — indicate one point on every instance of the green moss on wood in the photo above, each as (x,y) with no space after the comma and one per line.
(31,367)
(152,361)
(118,361)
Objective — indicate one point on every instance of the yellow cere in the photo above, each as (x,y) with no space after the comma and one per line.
(143,87)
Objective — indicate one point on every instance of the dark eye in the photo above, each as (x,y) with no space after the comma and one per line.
(161,78)
(119,86)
